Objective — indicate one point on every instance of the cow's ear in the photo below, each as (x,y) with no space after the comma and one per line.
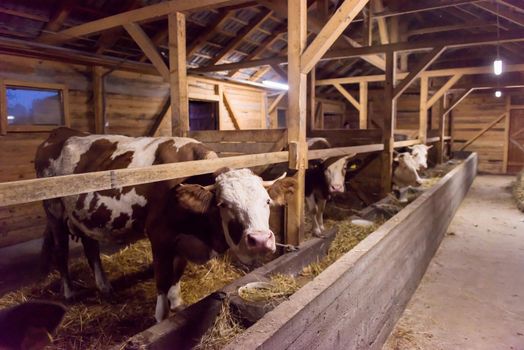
(282,189)
(221,171)
(194,198)
(428,147)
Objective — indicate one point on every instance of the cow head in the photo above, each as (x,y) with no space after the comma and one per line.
(335,173)
(406,173)
(420,155)
(244,201)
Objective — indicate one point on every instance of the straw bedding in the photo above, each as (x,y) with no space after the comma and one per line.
(95,322)
(518,191)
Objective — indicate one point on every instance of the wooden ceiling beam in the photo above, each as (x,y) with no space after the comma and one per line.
(149,49)
(147,13)
(503,12)
(378,7)
(330,32)
(241,35)
(208,32)
(21,14)
(61,13)
(449,28)
(422,7)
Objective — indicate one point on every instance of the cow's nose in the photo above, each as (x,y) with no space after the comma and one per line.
(261,241)
(336,188)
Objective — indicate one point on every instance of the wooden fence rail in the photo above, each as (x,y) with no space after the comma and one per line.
(24,191)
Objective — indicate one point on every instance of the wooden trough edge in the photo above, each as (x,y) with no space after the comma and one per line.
(355,303)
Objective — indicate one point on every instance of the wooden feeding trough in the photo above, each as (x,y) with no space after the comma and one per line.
(356,301)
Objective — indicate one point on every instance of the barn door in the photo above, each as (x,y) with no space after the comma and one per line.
(516,141)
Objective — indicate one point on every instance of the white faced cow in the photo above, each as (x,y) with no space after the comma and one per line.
(405,174)
(182,221)
(323,179)
(420,155)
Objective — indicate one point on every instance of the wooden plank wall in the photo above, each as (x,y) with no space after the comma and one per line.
(132,103)
(407,110)
(471,116)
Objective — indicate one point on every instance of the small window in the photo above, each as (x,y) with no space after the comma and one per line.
(281,118)
(33,106)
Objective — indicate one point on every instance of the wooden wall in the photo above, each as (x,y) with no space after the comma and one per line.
(132,103)
(470,117)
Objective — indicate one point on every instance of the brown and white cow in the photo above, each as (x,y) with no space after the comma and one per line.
(323,180)
(420,155)
(182,221)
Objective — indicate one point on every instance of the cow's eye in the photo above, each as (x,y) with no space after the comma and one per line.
(268,201)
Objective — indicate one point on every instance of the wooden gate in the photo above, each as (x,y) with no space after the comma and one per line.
(516,141)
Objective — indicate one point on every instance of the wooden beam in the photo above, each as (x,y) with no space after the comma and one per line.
(231,111)
(421,66)
(240,65)
(363,111)
(177,74)
(382,25)
(146,13)
(375,60)
(165,114)
(149,49)
(443,90)
(275,103)
(423,110)
(503,12)
(348,96)
(507,124)
(442,130)
(242,34)
(483,131)
(423,7)
(367,28)
(296,116)
(449,28)
(157,39)
(282,73)
(330,32)
(61,13)
(98,99)
(208,32)
(390,111)
(3,108)
(457,101)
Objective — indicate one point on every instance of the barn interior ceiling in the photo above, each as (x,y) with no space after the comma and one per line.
(256,30)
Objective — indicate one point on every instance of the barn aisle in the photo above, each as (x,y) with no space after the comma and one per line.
(472,295)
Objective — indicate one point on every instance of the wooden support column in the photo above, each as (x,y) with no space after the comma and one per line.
(296,118)
(98,100)
(312,100)
(442,130)
(363,100)
(390,111)
(423,111)
(177,74)
(3,109)
(506,134)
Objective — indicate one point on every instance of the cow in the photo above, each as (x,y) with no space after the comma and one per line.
(28,326)
(405,174)
(189,219)
(324,179)
(420,156)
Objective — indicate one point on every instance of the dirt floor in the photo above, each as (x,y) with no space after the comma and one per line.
(472,295)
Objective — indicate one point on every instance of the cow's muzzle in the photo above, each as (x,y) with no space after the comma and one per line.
(260,241)
(336,189)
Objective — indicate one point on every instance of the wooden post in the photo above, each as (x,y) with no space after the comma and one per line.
(3,108)
(423,113)
(363,100)
(390,111)
(506,134)
(177,74)
(296,118)
(98,99)
(312,101)
(442,129)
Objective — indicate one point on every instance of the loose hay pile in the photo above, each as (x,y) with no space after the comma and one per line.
(281,287)
(225,329)
(94,322)
(518,191)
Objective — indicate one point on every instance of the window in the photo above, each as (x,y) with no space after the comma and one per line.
(32,106)
(203,115)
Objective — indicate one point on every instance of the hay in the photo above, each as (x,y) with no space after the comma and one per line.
(94,322)
(225,328)
(518,191)
(282,286)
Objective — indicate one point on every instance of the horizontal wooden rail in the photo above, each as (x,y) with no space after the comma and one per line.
(433,139)
(24,191)
(256,135)
(341,151)
(406,143)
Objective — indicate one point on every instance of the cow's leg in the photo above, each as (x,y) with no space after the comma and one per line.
(313,209)
(92,253)
(163,265)
(320,212)
(403,194)
(61,253)
(174,295)
(193,249)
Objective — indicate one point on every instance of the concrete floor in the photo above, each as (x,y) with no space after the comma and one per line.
(472,295)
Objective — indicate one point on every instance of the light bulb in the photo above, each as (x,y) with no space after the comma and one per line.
(498,93)
(497,66)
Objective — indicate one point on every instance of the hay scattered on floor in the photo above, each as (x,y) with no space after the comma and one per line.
(282,286)
(518,191)
(95,322)
(225,328)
